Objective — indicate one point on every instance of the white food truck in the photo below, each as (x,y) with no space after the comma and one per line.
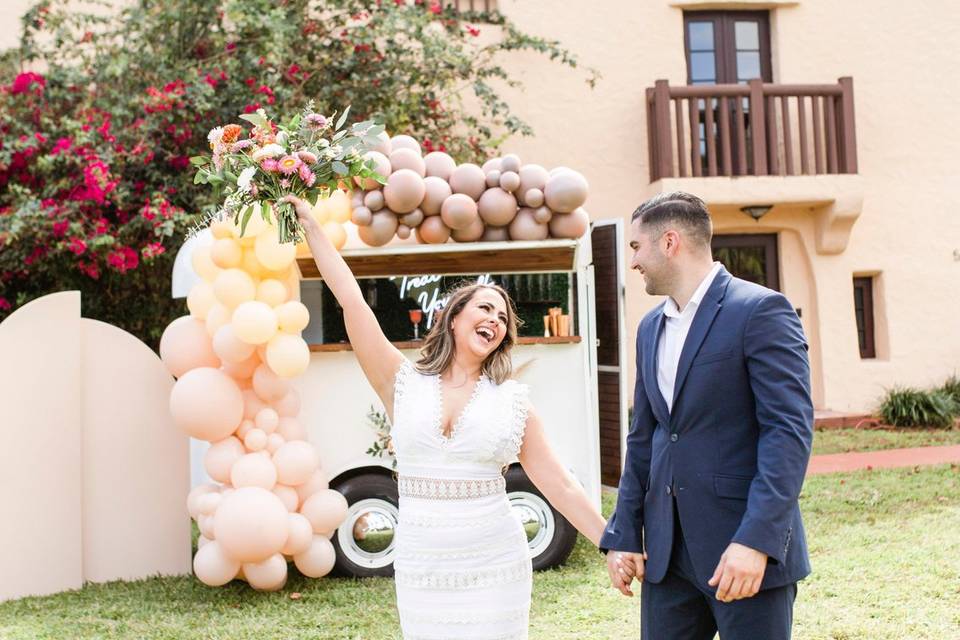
(580,400)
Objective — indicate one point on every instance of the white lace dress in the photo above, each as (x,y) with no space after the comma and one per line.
(463,568)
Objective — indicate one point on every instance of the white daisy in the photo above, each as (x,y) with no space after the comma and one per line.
(243,180)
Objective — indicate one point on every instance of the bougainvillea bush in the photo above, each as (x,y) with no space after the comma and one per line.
(101,108)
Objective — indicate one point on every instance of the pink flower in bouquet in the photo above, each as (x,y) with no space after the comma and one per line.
(306,175)
(240,145)
(284,184)
(307,157)
(316,121)
(288,164)
(269,164)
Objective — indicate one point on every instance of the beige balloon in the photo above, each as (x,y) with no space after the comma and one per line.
(268,385)
(296,461)
(570,225)
(469,179)
(458,211)
(509,181)
(361,216)
(254,470)
(403,231)
(374,200)
(318,560)
(439,164)
(221,229)
(267,575)
(254,322)
(382,228)
(404,191)
(325,509)
(250,264)
(293,316)
(436,191)
(288,355)
(288,496)
(565,191)
(267,420)
(221,456)
(217,316)
(405,142)
(185,345)
(193,498)
(300,536)
(206,404)
(252,404)
(228,347)
(526,227)
(532,197)
(251,523)
(273,255)
(200,299)
(272,292)
(244,429)
(433,231)
(495,234)
(493,178)
(317,482)
(381,165)
(543,214)
(497,207)
(471,233)
(203,264)
(233,287)
(209,502)
(213,567)
(226,253)
(338,207)
(412,219)
(255,440)
(493,164)
(291,429)
(408,159)
(510,162)
(205,525)
(383,144)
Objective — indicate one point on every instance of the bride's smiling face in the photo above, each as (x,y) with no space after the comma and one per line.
(481,325)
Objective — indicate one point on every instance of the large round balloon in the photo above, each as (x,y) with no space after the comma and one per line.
(338,206)
(254,470)
(459,211)
(437,190)
(200,299)
(268,385)
(254,322)
(233,287)
(288,354)
(382,228)
(226,253)
(296,462)
(267,575)
(405,142)
(565,191)
(213,567)
(469,179)
(570,225)
(291,429)
(206,404)
(408,159)
(325,510)
(230,348)
(251,524)
(272,254)
(301,535)
(272,292)
(318,560)
(439,164)
(433,231)
(185,345)
(293,316)
(203,264)
(470,233)
(526,227)
(497,207)
(404,191)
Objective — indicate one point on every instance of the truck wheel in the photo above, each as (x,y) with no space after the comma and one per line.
(550,535)
(365,541)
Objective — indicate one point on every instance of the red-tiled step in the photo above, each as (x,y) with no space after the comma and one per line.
(891,458)
(826,419)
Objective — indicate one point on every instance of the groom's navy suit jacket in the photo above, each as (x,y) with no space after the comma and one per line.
(733,452)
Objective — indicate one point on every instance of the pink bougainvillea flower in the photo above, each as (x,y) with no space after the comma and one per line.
(288,164)
(152,250)
(60,228)
(5,304)
(123,259)
(77,246)
(23,82)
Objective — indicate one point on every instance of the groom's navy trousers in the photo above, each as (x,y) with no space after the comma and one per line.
(725,465)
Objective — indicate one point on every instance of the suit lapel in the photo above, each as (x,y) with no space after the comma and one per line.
(700,327)
(650,342)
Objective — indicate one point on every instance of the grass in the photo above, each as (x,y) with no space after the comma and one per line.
(885,549)
(846,440)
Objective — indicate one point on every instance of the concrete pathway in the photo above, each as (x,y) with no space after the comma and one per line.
(888,459)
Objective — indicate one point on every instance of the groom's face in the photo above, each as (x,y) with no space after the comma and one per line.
(648,258)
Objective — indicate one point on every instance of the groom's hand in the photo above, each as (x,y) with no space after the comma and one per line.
(739,573)
(623,567)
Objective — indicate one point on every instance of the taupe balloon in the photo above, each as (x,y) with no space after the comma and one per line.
(381,165)
(437,190)
(405,142)
(532,176)
(373,200)
(470,234)
(380,230)
(412,219)
(493,164)
(383,145)
(403,232)
(526,227)
(497,207)
(404,191)
(532,197)
(511,162)
(356,198)
(493,178)
(495,234)
(439,164)
(458,211)
(543,214)
(565,191)
(433,231)
(570,225)
(361,216)
(469,179)
(405,158)
(557,170)
(509,181)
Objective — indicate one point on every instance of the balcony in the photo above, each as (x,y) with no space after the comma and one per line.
(737,145)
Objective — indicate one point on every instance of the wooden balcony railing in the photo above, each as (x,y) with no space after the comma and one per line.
(749,129)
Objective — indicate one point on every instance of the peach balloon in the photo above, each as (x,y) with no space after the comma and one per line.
(319,211)
(221,456)
(249,262)
(300,535)
(412,219)
(361,216)
(509,181)
(382,228)
(288,355)
(226,253)
(439,164)
(273,255)
(570,225)
(497,207)
(510,162)
(296,461)
(493,164)
(336,234)
(203,264)
(288,405)
(471,233)
(532,176)
(205,525)
(254,322)
(436,191)
(495,234)
(404,191)
(234,287)
(267,575)
(217,316)
(338,206)
(255,440)
(274,442)
(383,144)
(268,385)
(252,404)
(251,523)
(255,225)
(404,142)
(213,567)
(288,496)
(185,345)
(526,227)
(532,197)
(229,348)
(565,191)
(458,211)
(193,498)
(381,165)
(317,482)
(221,229)
(543,214)
(318,560)
(433,231)
(267,420)
(253,470)
(200,299)
(241,371)
(469,179)
(272,292)
(374,200)
(291,429)
(403,231)
(209,502)
(202,540)
(245,428)
(325,509)
(408,159)
(293,316)
(206,404)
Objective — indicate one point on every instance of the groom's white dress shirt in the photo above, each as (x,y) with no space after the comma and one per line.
(674,334)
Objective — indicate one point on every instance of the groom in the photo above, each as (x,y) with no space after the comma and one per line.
(707,514)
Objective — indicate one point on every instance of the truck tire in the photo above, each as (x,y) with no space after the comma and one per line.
(550,535)
(365,541)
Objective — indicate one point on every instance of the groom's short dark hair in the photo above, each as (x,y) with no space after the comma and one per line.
(677,208)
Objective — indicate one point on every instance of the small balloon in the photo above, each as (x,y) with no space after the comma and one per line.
(361,216)
(433,231)
(374,200)
(509,181)
(437,190)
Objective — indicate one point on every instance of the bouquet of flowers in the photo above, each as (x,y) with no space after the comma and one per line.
(307,157)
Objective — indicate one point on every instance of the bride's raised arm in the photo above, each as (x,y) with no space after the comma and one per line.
(378,358)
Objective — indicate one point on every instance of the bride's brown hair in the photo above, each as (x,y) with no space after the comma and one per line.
(439,345)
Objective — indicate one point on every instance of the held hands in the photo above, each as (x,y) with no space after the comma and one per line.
(739,573)
(623,567)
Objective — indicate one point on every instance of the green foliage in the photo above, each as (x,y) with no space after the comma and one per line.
(909,407)
(383,443)
(952,389)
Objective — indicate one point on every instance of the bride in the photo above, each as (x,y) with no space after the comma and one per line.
(462,567)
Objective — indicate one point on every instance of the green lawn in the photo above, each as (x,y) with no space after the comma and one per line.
(885,549)
(846,440)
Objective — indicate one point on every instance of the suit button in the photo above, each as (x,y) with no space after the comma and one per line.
(669,490)
(674,437)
